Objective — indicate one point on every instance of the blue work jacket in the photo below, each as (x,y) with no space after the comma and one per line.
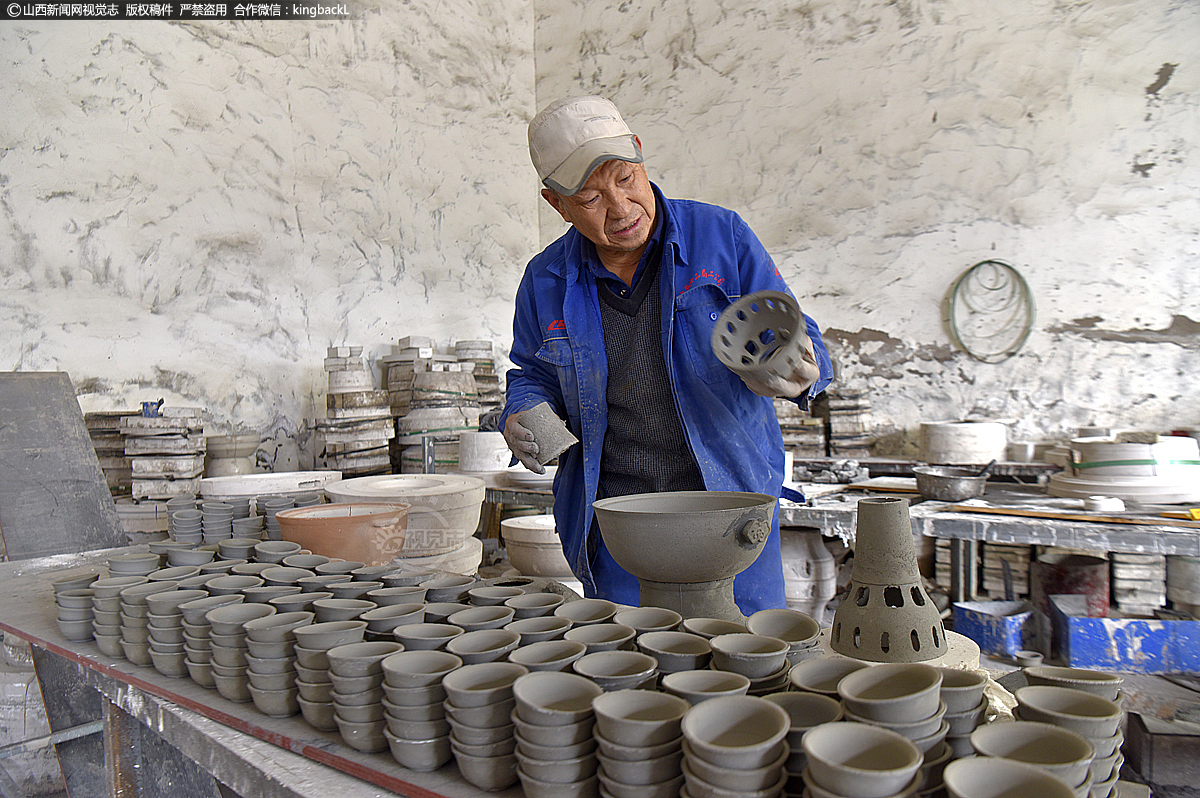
(710,258)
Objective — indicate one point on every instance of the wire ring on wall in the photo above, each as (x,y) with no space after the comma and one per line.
(991,311)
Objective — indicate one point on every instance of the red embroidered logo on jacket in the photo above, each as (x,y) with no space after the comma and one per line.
(559,324)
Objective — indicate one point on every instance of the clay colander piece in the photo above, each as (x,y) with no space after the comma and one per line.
(895,693)
(859,760)
(685,547)
(737,731)
(762,335)
(988,777)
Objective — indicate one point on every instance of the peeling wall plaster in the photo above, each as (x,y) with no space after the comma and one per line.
(197,211)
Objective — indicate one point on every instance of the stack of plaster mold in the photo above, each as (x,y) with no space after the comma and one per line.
(963,442)
(104,428)
(809,572)
(444,404)
(358,423)
(803,434)
(143,521)
(1132,466)
(850,424)
(229,455)
(1138,582)
(443,515)
(1002,558)
(166,452)
(1183,583)
(477,355)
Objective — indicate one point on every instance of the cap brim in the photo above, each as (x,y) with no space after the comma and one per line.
(570,176)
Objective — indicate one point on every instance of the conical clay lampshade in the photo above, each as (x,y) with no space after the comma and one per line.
(888,616)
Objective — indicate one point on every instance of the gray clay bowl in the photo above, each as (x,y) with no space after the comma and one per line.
(426,636)
(194,611)
(231,584)
(231,618)
(360,659)
(112,586)
(418,668)
(283,575)
(324,636)
(385,619)
(336,609)
(276,628)
(539,629)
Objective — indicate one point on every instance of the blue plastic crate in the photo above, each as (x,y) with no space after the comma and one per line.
(1132,645)
(999,628)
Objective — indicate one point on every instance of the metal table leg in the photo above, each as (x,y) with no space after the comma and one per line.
(964,578)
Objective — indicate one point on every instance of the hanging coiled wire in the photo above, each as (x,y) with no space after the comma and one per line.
(991,311)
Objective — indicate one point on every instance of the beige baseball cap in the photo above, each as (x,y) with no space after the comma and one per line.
(570,137)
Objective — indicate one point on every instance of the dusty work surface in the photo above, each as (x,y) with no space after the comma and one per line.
(27,610)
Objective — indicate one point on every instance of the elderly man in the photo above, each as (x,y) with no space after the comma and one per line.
(612,328)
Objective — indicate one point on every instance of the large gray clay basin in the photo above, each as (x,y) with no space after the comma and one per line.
(685,536)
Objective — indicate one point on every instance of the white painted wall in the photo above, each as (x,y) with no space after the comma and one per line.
(882,148)
(197,211)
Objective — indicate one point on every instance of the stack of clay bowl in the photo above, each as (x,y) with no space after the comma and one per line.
(106,611)
(271,662)
(618,670)
(600,636)
(166,630)
(270,507)
(479,707)
(805,710)
(735,746)
(425,636)
(801,632)
(761,659)
(135,621)
(356,670)
(414,708)
(197,640)
(901,697)
(823,674)
(640,741)
(274,551)
(75,611)
(313,683)
(481,645)
(216,521)
(858,759)
(141,564)
(676,651)
(186,525)
(988,777)
(1060,752)
(248,528)
(966,708)
(543,629)
(228,649)
(703,685)
(554,720)
(1083,710)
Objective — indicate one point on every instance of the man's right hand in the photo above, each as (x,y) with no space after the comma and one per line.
(521,443)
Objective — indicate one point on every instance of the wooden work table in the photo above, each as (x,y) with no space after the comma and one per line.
(219,740)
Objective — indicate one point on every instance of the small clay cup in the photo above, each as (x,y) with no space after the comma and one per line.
(548,698)
(649,619)
(961,689)
(753,656)
(360,659)
(601,636)
(587,611)
(482,684)
(676,651)
(426,636)
(639,717)
(324,636)
(548,655)
(418,668)
(1105,685)
(859,759)
(539,629)
(698,686)
(1058,751)
(892,692)
(823,674)
(988,777)
(230,619)
(617,670)
(739,731)
(483,645)
(534,605)
(473,619)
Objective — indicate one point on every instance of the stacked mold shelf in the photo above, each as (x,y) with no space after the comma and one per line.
(358,423)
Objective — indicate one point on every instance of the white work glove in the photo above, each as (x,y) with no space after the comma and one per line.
(521,443)
(802,378)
